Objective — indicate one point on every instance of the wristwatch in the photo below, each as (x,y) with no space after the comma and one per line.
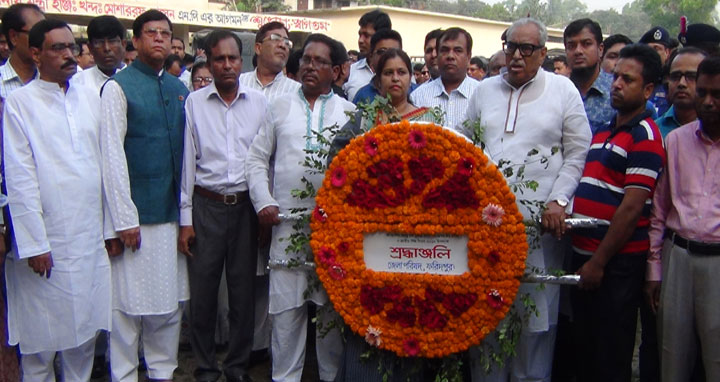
(562,202)
(3,229)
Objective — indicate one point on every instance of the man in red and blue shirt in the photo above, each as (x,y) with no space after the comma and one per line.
(616,188)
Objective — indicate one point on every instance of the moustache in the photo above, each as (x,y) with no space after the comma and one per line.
(68,63)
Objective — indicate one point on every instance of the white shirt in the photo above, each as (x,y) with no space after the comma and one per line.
(154,278)
(544,113)
(54,183)
(432,94)
(217,139)
(186,78)
(360,75)
(281,84)
(93,77)
(9,79)
(283,136)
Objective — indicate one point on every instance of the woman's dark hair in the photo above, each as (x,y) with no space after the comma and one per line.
(391,53)
(197,66)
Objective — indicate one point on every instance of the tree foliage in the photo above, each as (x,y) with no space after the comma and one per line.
(667,12)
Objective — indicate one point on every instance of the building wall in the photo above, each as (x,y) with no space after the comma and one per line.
(414,25)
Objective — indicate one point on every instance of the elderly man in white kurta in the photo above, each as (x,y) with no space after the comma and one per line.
(525,109)
(284,136)
(58,278)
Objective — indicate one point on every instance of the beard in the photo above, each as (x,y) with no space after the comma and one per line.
(582,75)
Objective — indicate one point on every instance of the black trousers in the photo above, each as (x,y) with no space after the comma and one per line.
(226,237)
(606,319)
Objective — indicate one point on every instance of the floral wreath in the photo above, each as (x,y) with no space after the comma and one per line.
(418,179)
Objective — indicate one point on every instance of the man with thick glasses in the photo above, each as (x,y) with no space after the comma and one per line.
(142,130)
(106,38)
(681,89)
(20,68)
(59,276)
(290,127)
(272,48)
(526,109)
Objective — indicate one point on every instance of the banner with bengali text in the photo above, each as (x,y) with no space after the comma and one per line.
(206,18)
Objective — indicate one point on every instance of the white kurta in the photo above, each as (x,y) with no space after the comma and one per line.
(544,113)
(92,77)
(282,136)
(154,278)
(54,183)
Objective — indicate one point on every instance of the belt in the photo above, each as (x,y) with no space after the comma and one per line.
(228,200)
(696,247)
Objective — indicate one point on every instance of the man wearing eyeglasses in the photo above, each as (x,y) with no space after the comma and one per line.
(681,90)
(291,124)
(59,276)
(272,48)
(142,130)
(106,38)
(218,222)
(528,109)
(20,68)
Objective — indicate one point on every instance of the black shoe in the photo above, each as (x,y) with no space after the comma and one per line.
(244,378)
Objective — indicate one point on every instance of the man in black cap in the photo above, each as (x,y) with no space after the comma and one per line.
(703,36)
(658,38)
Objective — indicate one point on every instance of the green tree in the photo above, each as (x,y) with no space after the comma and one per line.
(561,12)
(667,13)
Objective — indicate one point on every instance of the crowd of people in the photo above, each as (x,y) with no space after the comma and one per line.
(146,188)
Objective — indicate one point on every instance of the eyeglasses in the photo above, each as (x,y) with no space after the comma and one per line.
(424,72)
(60,47)
(526,50)
(154,32)
(100,42)
(274,37)
(317,62)
(198,80)
(677,76)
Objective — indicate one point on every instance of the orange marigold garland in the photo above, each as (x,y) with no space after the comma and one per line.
(418,179)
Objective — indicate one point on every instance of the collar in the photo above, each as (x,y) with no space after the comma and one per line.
(700,133)
(363,65)
(602,84)
(8,73)
(50,86)
(277,78)
(505,81)
(212,91)
(438,88)
(670,114)
(633,122)
(322,97)
(145,69)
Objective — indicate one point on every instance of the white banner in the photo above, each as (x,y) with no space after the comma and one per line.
(439,254)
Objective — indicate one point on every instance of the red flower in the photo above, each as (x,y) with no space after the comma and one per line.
(402,312)
(456,193)
(343,247)
(434,295)
(494,299)
(374,299)
(371,145)
(422,171)
(465,166)
(337,272)
(338,176)
(319,214)
(411,346)
(493,257)
(459,303)
(326,256)
(492,215)
(417,139)
(429,316)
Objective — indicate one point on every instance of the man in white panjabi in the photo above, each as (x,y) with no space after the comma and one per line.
(290,120)
(58,280)
(522,110)
(106,40)
(142,128)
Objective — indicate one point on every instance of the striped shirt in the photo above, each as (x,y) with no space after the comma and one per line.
(454,104)
(280,85)
(9,80)
(629,156)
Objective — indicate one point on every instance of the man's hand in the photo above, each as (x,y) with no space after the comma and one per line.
(114,247)
(186,239)
(591,274)
(652,294)
(553,219)
(131,238)
(269,216)
(41,264)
